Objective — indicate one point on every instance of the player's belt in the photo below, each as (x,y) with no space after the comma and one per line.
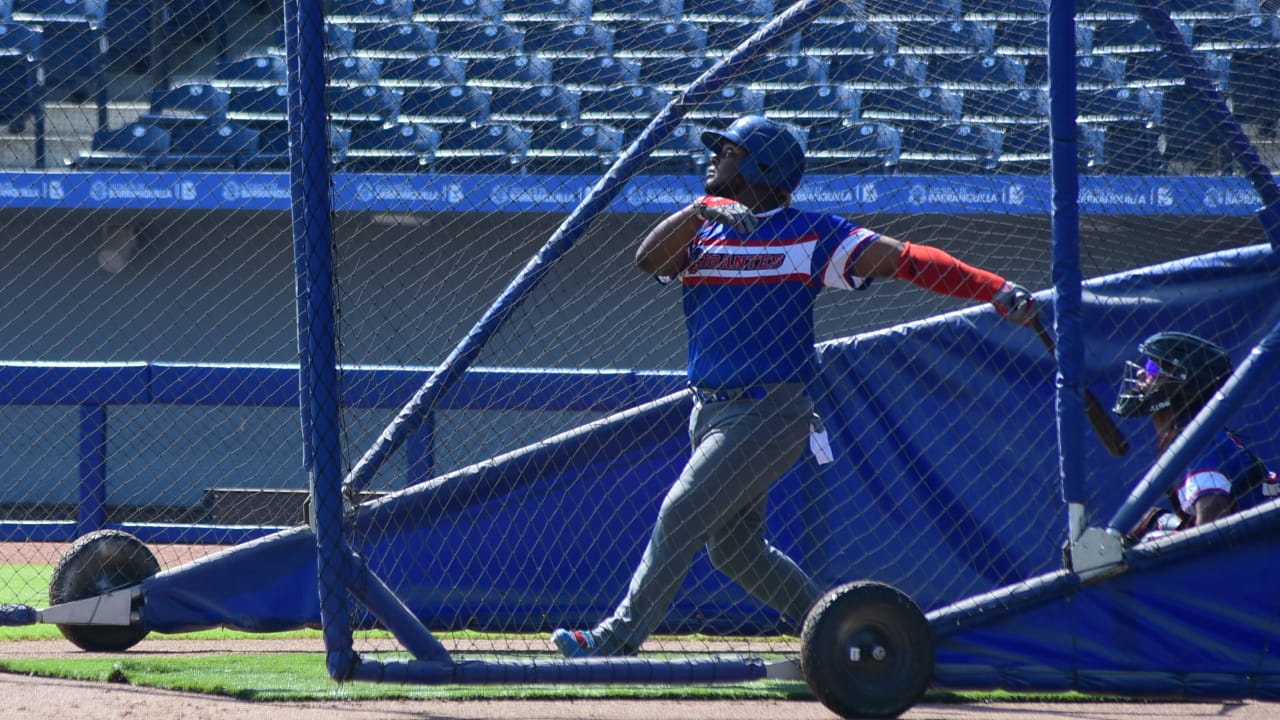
(708,396)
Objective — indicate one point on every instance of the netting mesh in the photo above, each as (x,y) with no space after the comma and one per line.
(148,242)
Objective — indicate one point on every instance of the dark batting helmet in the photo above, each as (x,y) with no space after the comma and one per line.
(775,156)
(1175,370)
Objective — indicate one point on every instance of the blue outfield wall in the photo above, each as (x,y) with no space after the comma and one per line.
(945,482)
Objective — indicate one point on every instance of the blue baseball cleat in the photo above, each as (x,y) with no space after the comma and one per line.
(574,643)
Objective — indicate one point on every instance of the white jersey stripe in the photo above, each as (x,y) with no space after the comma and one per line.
(839,269)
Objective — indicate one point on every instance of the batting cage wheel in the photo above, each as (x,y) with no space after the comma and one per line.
(96,564)
(867,650)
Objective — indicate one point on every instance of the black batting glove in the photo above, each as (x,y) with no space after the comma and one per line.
(1015,304)
(726,212)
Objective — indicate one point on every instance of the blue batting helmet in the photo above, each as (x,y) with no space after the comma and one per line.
(775,156)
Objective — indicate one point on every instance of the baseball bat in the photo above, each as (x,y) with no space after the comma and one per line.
(1112,439)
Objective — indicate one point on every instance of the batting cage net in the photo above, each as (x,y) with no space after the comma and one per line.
(513,401)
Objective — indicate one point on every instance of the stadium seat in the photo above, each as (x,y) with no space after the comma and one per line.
(574,148)
(486,147)
(446,105)
(780,71)
(625,107)
(977,71)
(256,106)
(73,54)
(582,39)
(1239,32)
(936,9)
(723,37)
(1189,133)
(251,71)
(423,71)
(680,153)
(340,38)
(728,102)
(841,11)
(509,70)
(1254,77)
(1026,149)
(363,104)
(709,11)
(636,10)
(1006,106)
(1213,8)
(1030,38)
(395,40)
(211,146)
(273,145)
(918,105)
(185,106)
(366,12)
(595,73)
(666,38)
(534,104)
(1119,104)
(20,89)
(862,147)
(948,37)
(951,148)
(135,146)
(849,38)
(1157,69)
(1004,9)
(674,73)
(468,11)
(484,39)
(399,148)
(1127,36)
(353,70)
(1104,9)
(878,71)
(128,33)
(563,11)
(1133,148)
(814,103)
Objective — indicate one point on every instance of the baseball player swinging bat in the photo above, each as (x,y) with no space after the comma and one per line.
(1112,439)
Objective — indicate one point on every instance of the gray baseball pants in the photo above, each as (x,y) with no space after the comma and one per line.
(740,447)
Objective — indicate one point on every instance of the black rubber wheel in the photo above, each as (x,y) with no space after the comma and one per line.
(867,651)
(96,564)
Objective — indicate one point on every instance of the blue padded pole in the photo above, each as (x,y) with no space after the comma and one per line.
(1220,116)
(1068,324)
(318,373)
(596,201)
(92,513)
(1257,368)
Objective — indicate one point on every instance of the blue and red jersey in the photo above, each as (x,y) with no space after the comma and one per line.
(749,301)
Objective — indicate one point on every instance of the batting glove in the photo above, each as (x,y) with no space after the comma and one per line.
(727,212)
(1015,304)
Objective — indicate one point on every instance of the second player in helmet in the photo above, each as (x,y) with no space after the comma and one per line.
(750,267)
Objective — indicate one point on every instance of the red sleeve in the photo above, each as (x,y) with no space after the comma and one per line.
(939,271)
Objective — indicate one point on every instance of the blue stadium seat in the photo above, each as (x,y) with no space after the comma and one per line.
(878,71)
(135,146)
(730,101)
(446,105)
(1157,69)
(918,105)
(680,153)
(1240,32)
(1004,9)
(395,40)
(364,12)
(186,106)
(728,10)
(723,37)
(73,56)
(636,10)
(950,9)
(861,147)
(273,145)
(841,11)
(574,148)
(1030,38)
(626,107)
(977,70)
(509,70)
(1213,8)
(1008,106)
(814,103)
(20,90)
(128,33)
(1189,133)
(951,148)
(1026,149)
(1133,148)
(952,36)
(779,71)
(1119,104)
(40,11)
(488,147)
(850,37)
(256,106)
(399,148)
(363,104)
(1104,9)
(1254,77)
(484,39)
(471,11)
(251,71)
(1127,36)
(564,11)
(210,146)
(665,38)
(353,70)
(339,38)
(674,73)
(423,70)
(595,73)
(534,104)
(582,39)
